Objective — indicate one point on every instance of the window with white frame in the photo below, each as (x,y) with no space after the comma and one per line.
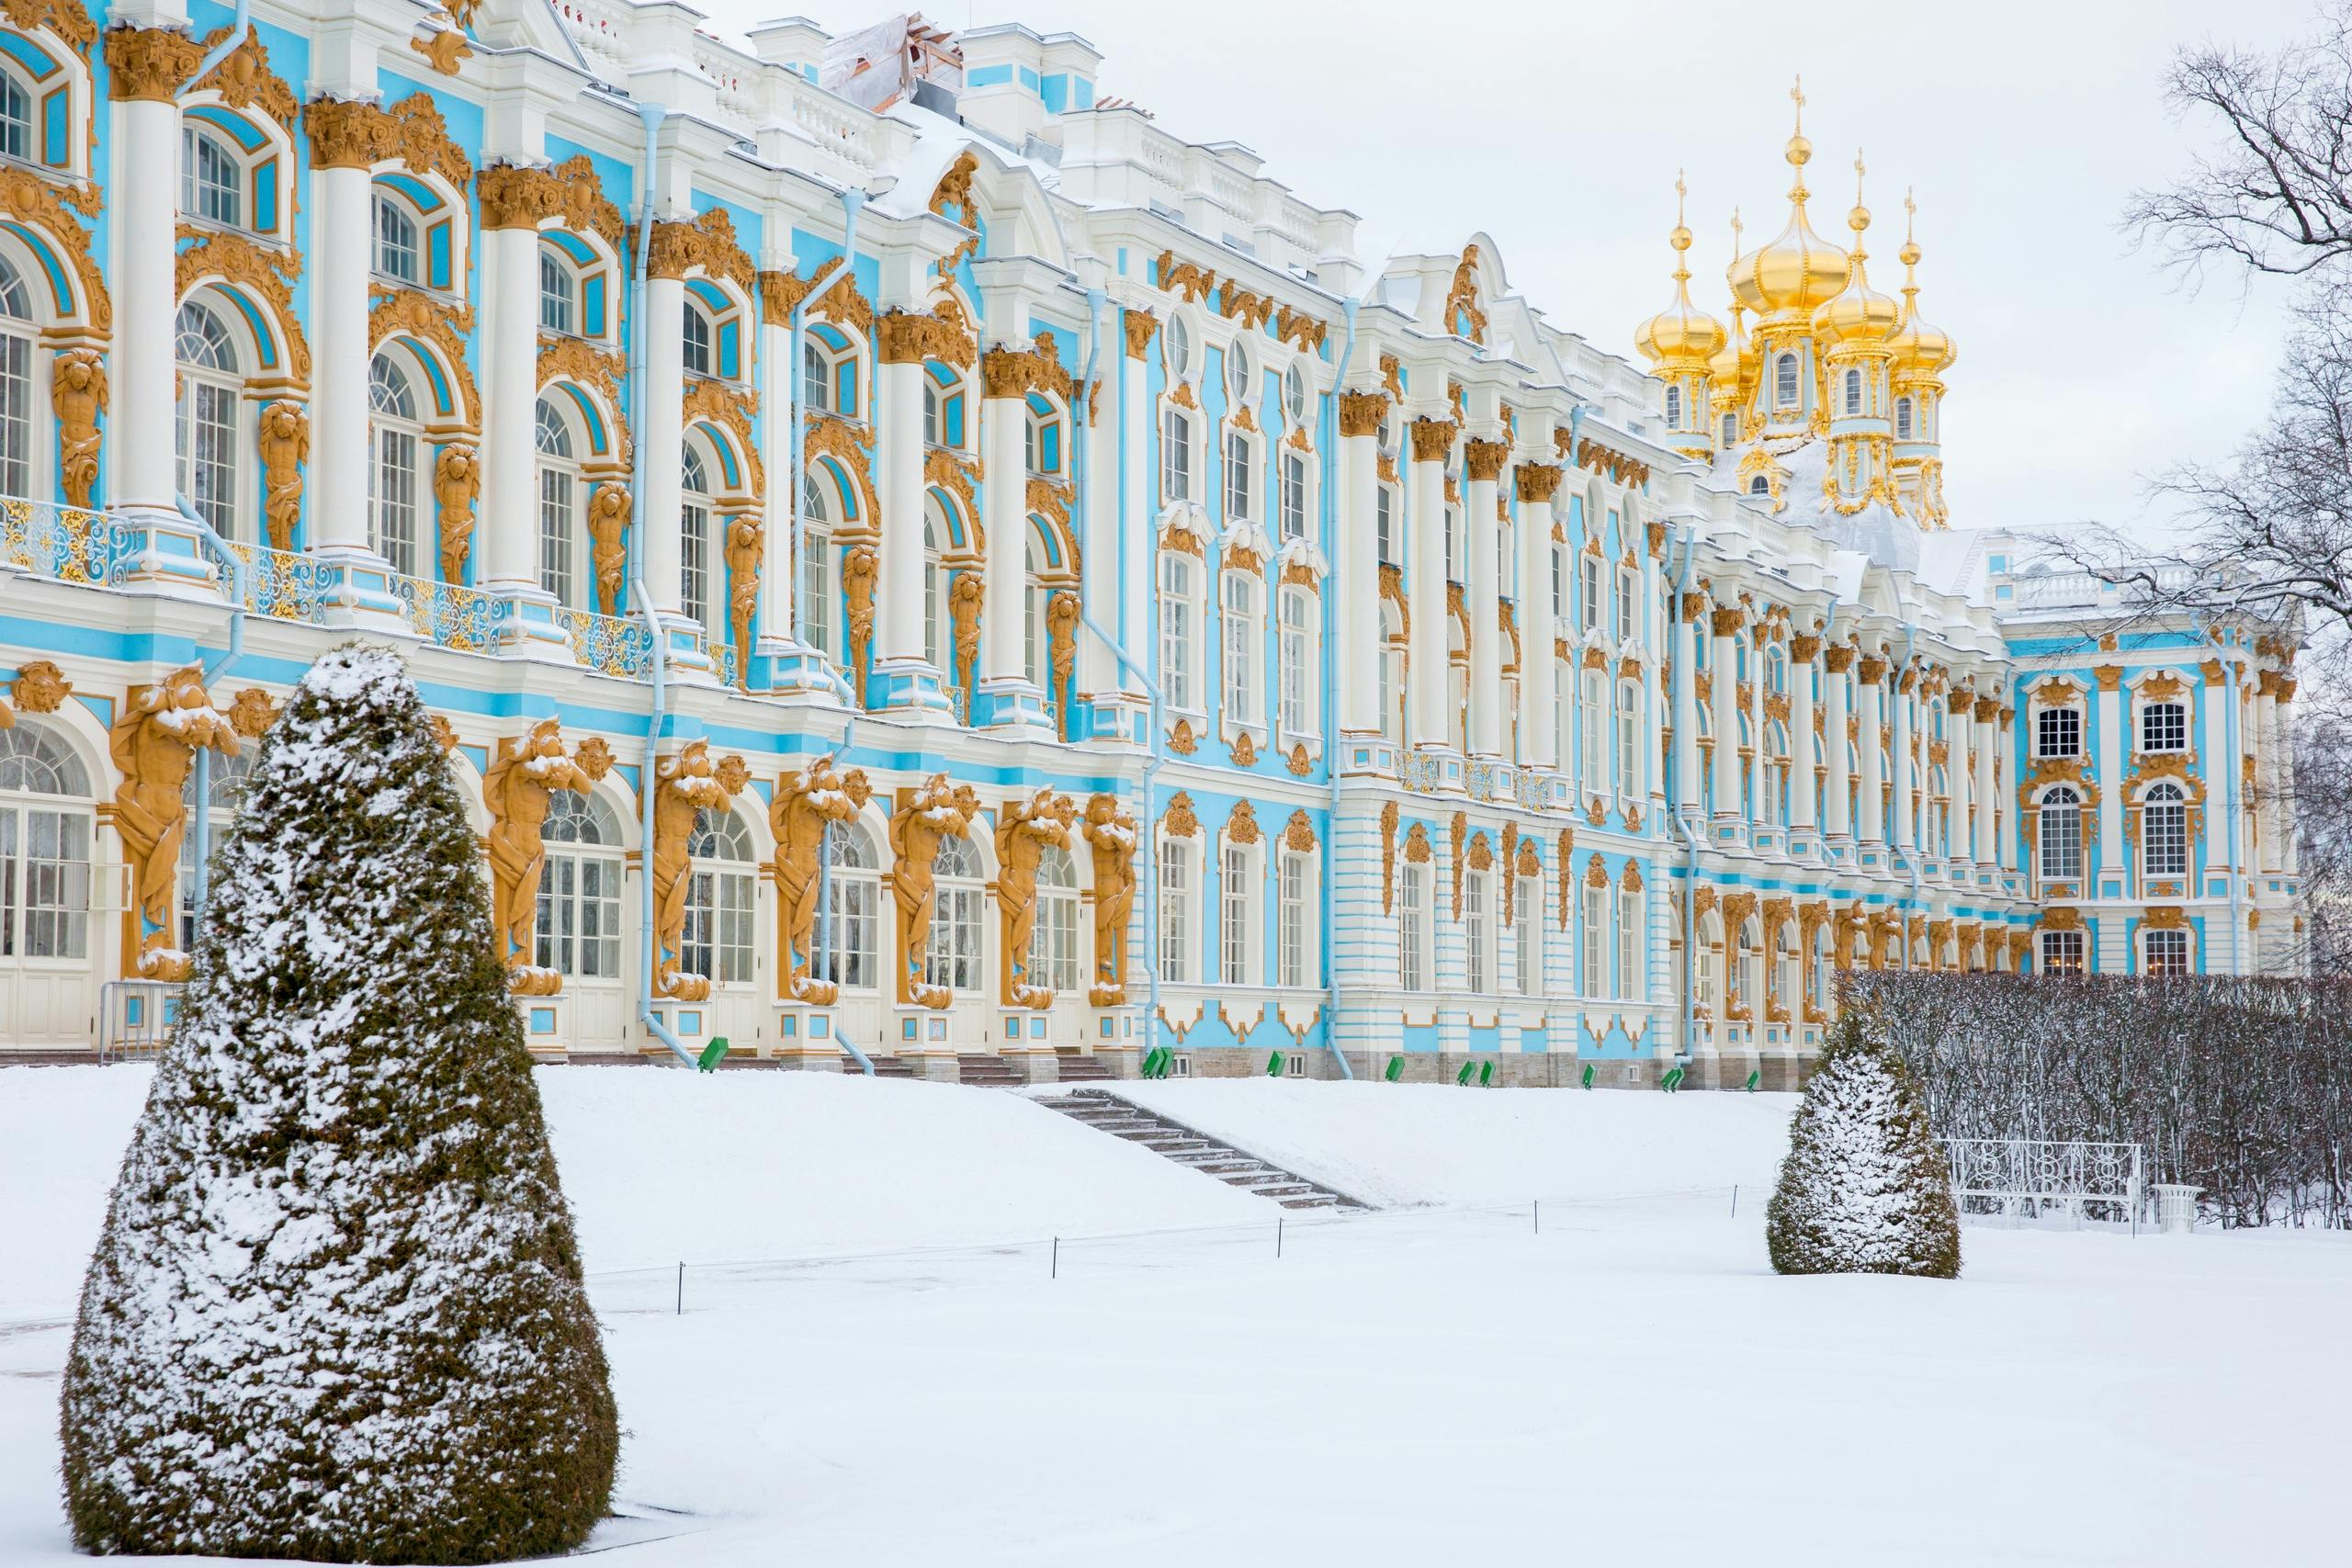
(2163,830)
(1294,396)
(816,373)
(938,622)
(1590,610)
(212,179)
(579,888)
(559,294)
(1175,911)
(721,900)
(1674,408)
(1298,606)
(1237,476)
(1853,392)
(559,502)
(1559,581)
(1594,916)
(1237,927)
(957,916)
(1527,925)
(1633,976)
(1293,504)
(1596,731)
(1053,940)
(1175,455)
(2058,732)
(1477,936)
(1784,380)
(818,571)
(849,952)
(695,335)
(209,447)
(1392,677)
(1903,419)
(1629,616)
(1179,637)
(394,480)
(1384,524)
(1292,941)
(1731,430)
(2061,953)
(396,239)
(1629,740)
(693,535)
(2164,727)
(2166,952)
(15,119)
(1239,375)
(2061,835)
(1243,613)
(47,825)
(931,413)
(17,405)
(1413,927)
(1176,347)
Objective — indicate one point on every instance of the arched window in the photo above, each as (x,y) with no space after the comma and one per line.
(1178,634)
(694,538)
(15,119)
(956,918)
(45,831)
(1245,627)
(2164,727)
(559,503)
(1903,419)
(1299,685)
(1239,383)
(392,476)
(1238,476)
(17,401)
(848,951)
(1294,395)
(1760,485)
(1477,935)
(207,428)
(559,294)
(1175,455)
(2061,835)
(2164,831)
(1731,430)
(579,888)
(212,180)
(1412,927)
(817,570)
(1784,380)
(816,375)
(1237,922)
(1175,895)
(938,621)
(721,900)
(396,242)
(1176,346)
(696,334)
(1053,960)
(1674,408)
(1853,391)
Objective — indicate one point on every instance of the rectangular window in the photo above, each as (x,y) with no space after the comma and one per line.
(211,183)
(1234,933)
(2058,732)
(1236,478)
(1297,662)
(1175,912)
(2164,727)
(694,561)
(695,335)
(1384,525)
(816,372)
(1476,950)
(1633,978)
(1412,927)
(1628,619)
(1629,741)
(1595,937)
(555,534)
(1590,578)
(1294,520)
(555,295)
(2061,953)
(2167,952)
(1292,935)
(2164,836)
(1175,458)
(1240,621)
(1559,583)
(816,597)
(16,415)
(1176,629)
(2062,842)
(1527,922)
(392,489)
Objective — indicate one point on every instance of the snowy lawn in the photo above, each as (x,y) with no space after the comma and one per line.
(1631,1385)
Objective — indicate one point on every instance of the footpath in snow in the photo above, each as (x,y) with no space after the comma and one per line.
(1434,1382)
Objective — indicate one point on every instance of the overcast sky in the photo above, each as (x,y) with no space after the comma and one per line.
(2022,127)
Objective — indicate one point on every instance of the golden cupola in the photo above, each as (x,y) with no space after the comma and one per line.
(1921,349)
(1859,316)
(1681,335)
(1733,366)
(1797,271)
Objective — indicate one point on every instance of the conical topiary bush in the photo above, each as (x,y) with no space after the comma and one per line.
(1865,1188)
(336,1310)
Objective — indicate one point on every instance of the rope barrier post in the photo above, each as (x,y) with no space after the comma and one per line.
(1735,1199)
(682,1289)
(1057,1268)
(1278,1236)
(1539,1216)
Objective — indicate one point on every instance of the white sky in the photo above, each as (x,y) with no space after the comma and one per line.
(2082,369)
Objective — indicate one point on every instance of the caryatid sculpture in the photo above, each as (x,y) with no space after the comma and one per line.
(928,813)
(523,777)
(806,803)
(686,783)
(1024,829)
(154,744)
(1110,834)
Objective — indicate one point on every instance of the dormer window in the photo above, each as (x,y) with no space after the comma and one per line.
(212,181)
(1760,485)
(697,335)
(396,242)
(1731,430)
(1784,380)
(558,296)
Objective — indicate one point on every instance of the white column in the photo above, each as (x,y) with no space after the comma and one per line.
(1008,700)
(1432,439)
(1688,786)
(904,681)
(1755,688)
(1958,753)
(781,459)
(1482,596)
(1871,828)
(2113,759)
(660,425)
(145,201)
(1356,562)
(1538,745)
(1987,810)
(339,237)
(1139,532)
(2282,735)
(2223,782)
(510,262)
(1651,641)
(1838,777)
(1726,626)
(1804,797)
(2269,776)
(1905,836)
(2007,844)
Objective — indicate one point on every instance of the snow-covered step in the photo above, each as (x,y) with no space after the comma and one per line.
(1172,1139)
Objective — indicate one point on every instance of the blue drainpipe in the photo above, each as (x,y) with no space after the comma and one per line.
(1331,656)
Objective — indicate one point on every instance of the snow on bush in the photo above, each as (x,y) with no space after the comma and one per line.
(335,1312)
(1864,1189)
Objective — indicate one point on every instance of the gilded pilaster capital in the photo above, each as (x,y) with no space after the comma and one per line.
(1838,658)
(910,337)
(1538,482)
(149,64)
(1006,373)
(349,133)
(1360,413)
(1433,439)
(1726,623)
(1871,672)
(516,195)
(1140,326)
(1988,709)
(1484,460)
(1805,650)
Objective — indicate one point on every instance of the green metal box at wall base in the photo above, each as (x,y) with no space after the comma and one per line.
(1275,1065)
(712,1054)
(1396,1069)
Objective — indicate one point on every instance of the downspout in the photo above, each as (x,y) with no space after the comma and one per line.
(658,718)
(2238,962)
(1144,820)
(225,48)
(852,198)
(1331,656)
(1918,828)
(820,941)
(1689,540)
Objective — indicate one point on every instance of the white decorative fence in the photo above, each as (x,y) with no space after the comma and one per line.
(2020,1179)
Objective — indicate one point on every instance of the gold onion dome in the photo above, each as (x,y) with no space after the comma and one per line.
(1919,346)
(1797,271)
(1859,313)
(1733,366)
(1681,334)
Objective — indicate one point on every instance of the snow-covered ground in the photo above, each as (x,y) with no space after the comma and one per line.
(1630,1385)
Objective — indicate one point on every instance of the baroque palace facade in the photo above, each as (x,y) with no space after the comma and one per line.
(943,566)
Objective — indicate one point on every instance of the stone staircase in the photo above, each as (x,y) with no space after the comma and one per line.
(1172,1139)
